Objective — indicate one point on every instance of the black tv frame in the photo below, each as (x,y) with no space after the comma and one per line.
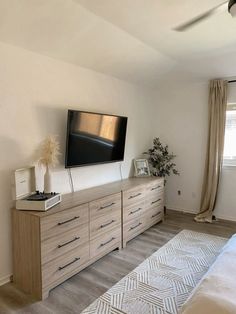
(96,163)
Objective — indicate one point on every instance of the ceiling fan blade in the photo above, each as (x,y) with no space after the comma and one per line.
(200,18)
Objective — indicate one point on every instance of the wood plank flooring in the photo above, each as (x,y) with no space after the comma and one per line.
(81,290)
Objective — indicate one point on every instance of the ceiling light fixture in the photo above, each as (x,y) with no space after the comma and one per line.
(232,8)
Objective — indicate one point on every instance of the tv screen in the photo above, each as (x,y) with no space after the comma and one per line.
(94,138)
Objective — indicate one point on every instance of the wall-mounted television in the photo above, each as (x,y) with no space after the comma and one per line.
(94,138)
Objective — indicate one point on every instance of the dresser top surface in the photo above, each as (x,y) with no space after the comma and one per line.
(81,197)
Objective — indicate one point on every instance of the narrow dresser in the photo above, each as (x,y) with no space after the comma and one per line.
(49,247)
(143,207)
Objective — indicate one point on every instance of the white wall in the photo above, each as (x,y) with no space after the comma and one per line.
(181,122)
(35,93)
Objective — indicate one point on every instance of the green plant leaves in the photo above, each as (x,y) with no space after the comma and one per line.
(161,161)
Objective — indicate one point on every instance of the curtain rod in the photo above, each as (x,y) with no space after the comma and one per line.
(233,81)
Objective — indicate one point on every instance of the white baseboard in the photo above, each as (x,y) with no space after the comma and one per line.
(5,280)
(225,217)
(184,210)
(190,211)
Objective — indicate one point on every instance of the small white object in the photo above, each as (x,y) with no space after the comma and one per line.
(24,182)
(24,186)
(47,180)
(141,168)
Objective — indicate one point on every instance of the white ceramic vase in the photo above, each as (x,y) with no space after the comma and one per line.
(47,180)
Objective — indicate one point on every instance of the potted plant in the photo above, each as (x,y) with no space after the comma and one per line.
(161,161)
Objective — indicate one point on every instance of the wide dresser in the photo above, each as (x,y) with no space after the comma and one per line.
(49,247)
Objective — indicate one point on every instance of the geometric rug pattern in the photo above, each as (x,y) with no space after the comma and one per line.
(163,282)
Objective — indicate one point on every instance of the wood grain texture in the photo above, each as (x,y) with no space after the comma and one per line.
(60,222)
(105,241)
(133,195)
(154,215)
(133,228)
(143,206)
(155,185)
(104,206)
(61,244)
(71,200)
(105,224)
(61,268)
(66,244)
(27,253)
(73,271)
(133,211)
(79,291)
(155,200)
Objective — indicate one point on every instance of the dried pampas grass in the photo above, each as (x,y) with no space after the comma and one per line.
(50,150)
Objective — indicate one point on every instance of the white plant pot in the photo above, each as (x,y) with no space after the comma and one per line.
(47,181)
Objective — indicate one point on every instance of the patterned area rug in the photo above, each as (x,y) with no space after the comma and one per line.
(163,282)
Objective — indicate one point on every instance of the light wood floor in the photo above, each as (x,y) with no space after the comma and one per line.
(81,290)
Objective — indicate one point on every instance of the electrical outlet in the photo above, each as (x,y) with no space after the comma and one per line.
(179,192)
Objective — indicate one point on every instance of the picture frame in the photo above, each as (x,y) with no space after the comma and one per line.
(141,168)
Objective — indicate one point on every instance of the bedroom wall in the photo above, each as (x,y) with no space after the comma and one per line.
(181,114)
(35,93)
(181,122)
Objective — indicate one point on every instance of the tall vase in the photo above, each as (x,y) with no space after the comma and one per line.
(47,181)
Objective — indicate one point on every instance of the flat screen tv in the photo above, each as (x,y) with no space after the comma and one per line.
(94,138)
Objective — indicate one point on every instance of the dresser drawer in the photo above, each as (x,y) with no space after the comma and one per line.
(154,215)
(133,228)
(155,187)
(133,196)
(104,206)
(155,201)
(61,244)
(58,223)
(105,224)
(63,266)
(133,211)
(105,242)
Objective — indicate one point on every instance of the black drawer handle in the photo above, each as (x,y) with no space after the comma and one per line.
(136,195)
(107,224)
(159,199)
(157,214)
(135,211)
(64,244)
(69,220)
(106,206)
(159,186)
(75,260)
(132,228)
(109,241)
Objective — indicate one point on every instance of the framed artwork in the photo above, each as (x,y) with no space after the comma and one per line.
(141,167)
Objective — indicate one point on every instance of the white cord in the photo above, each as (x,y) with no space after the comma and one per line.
(121,176)
(68,172)
(71,180)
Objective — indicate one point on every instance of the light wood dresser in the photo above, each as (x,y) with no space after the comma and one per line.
(143,207)
(49,247)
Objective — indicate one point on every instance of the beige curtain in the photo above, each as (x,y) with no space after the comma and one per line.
(217,112)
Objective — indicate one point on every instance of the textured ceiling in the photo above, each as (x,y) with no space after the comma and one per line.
(129,39)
